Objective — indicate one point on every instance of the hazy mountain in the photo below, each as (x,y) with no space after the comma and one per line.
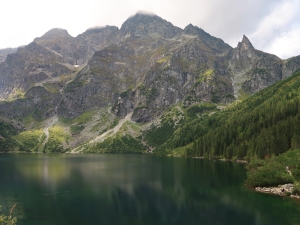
(5,52)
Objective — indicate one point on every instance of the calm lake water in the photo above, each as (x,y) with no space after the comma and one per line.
(134,189)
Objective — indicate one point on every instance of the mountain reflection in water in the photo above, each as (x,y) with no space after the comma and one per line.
(134,189)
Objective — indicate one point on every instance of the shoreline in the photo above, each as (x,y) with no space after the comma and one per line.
(222,159)
(284,190)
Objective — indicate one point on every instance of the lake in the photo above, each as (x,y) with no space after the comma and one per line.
(120,189)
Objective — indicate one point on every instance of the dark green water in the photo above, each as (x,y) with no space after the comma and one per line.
(134,189)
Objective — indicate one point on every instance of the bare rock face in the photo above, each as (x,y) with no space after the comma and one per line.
(37,102)
(28,66)
(290,66)
(5,52)
(149,73)
(92,40)
(145,67)
(213,42)
(107,74)
(252,70)
(58,41)
(78,50)
(148,25)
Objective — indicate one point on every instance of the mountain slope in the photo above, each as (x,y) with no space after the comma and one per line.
(264,124)
(5,52)
(30,65)
(144,69)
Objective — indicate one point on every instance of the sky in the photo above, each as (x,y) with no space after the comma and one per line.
(272,26)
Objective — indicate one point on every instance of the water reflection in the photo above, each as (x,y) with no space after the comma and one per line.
(134,189)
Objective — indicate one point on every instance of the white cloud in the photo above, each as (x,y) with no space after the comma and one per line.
(265,22)
(278,32)
(286,44)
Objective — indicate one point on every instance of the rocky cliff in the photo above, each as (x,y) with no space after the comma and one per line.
(27,67)
(78,50)
(5,52)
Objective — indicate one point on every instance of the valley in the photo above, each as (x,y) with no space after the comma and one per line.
(149,87)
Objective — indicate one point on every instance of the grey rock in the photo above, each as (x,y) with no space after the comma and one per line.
(145,67)
(5,52)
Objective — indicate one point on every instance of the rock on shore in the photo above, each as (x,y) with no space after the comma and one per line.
(282,190)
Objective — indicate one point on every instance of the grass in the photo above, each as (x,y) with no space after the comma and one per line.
(243,95)
(83,118)
(117,144)
(52,87)
(206,75)
(164,59)
(58,136)
(76,129)
(66,77)
(16,94)
(30,141)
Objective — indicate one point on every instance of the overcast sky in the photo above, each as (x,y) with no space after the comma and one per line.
(271,25)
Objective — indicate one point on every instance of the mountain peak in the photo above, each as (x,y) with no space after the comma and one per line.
(191,29)
(145,23)
(144,13)
(54,33)
(205,37)
(142,17)
(245,44)
(94,30)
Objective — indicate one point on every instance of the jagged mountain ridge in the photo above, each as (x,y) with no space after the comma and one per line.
(5,52)
(145,66)
(78,50)
(27,67)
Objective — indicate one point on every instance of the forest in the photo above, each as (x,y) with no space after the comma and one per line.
(264,124)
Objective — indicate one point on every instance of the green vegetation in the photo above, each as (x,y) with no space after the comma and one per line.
(7,131)
(272,171)
(264,125)
(74,85)
(150,93)
(259,71)
(124,94)
(158,133)
(8,220)
(58,136)
(118,144)
(164,59)
(53,88)
(83,118)
(30,141)
(104,124)
(243,95)
(196,110)
(16,94)
(205,76)
(29,120)
(76,129)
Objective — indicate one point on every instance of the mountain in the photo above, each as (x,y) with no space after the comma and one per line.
(148,25)
(107,82)
(264,124)
(5,52)
(77,50)
(27,67)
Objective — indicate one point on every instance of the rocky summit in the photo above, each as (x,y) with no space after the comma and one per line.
(142,70)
